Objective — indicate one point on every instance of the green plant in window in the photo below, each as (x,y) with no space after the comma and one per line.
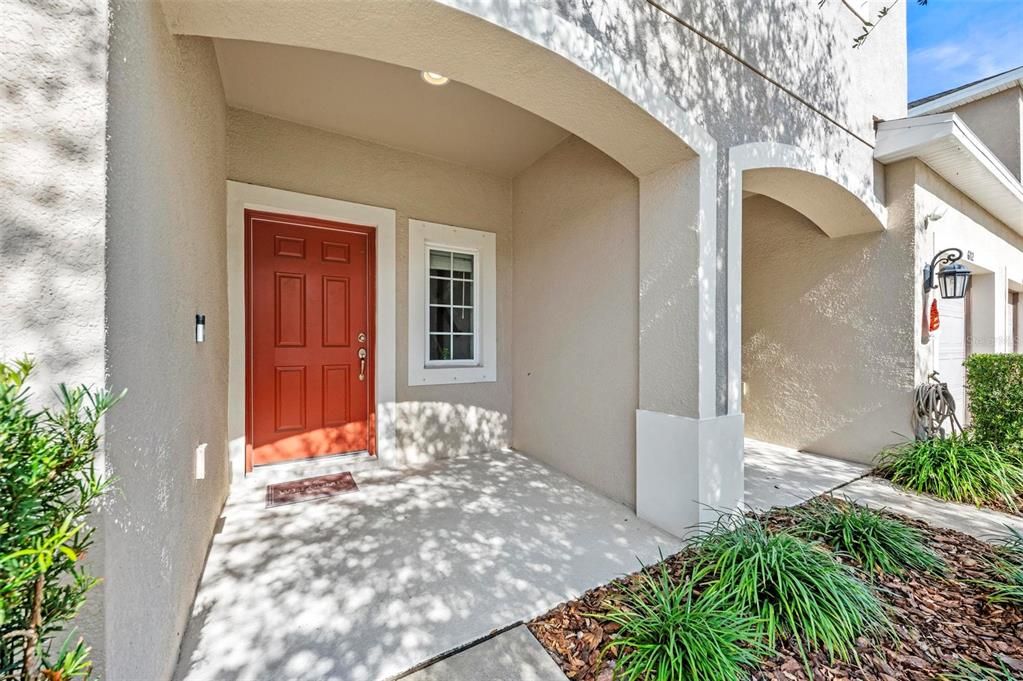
(48,484)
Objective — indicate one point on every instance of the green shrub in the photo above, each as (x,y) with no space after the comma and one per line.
(793,588)
(994,384)
(1007,586)
(670,634)
(47,486)
(956,468)
(880,544)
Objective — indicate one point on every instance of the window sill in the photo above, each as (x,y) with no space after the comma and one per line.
(451,375)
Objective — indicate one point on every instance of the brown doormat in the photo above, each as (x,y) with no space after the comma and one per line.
(321,486)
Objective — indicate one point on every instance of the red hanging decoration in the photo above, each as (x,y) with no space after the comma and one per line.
(935,319)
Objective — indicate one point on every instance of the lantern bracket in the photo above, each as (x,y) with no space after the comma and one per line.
(945,257)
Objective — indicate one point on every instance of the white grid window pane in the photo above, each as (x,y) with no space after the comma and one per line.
(451,306)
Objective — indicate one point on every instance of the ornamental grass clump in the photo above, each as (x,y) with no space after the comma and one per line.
(1007,568)
(792,587)
(669,633)
(956,468)
(878,543)
(48,484)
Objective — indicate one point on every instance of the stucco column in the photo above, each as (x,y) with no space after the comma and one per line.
(688,459)
(988,302)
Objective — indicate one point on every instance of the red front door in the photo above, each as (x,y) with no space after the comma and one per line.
(310,309)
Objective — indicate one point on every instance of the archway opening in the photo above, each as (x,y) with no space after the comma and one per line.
(822,335)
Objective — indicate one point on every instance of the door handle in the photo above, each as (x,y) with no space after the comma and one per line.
(362,364)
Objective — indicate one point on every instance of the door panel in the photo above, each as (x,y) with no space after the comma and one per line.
(309,308)
(336,390)
(289,398)
(336,308)
(289,303)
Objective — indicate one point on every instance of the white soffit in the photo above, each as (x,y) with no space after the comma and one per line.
(384,103)
(950,148)
(969,93)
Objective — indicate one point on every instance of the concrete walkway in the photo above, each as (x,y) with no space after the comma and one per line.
(981,523)
(511,656)
(418,562)
(782,476)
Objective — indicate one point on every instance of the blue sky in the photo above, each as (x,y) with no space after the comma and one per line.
(952,42)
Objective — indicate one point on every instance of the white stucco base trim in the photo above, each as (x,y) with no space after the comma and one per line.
(241,196)
(682,460)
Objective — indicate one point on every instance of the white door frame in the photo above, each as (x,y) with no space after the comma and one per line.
(242,196)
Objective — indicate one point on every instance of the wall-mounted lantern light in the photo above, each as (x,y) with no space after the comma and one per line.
(953,278)
(200,328)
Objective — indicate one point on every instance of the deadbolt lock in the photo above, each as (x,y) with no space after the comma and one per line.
(362,336)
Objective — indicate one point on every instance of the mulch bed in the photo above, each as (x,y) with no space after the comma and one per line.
(937,620)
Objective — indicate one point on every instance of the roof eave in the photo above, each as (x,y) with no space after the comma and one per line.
(956,98)
(952,150)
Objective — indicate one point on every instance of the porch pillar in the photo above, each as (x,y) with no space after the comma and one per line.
(988,302)
(688,459)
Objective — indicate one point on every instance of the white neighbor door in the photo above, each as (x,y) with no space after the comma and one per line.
(952,349)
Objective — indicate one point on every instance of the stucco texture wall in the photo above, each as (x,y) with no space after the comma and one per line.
(827,334)
(166,255)
(823,97)
(576,319)
(820,94)
(998,121)
(53,92)
(430,420)
(53,187)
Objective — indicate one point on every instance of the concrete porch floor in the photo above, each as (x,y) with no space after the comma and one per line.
(422,561)
(417,562)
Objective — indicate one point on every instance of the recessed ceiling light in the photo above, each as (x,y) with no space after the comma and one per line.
(434,78)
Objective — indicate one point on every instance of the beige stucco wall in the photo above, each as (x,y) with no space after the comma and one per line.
(576,316)
(827,334)
(998,122)
(165,263)
(447,419)
(53,95)
(823,100)
(53,187)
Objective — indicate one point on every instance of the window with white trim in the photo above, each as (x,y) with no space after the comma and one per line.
(452,304)
(452,307)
